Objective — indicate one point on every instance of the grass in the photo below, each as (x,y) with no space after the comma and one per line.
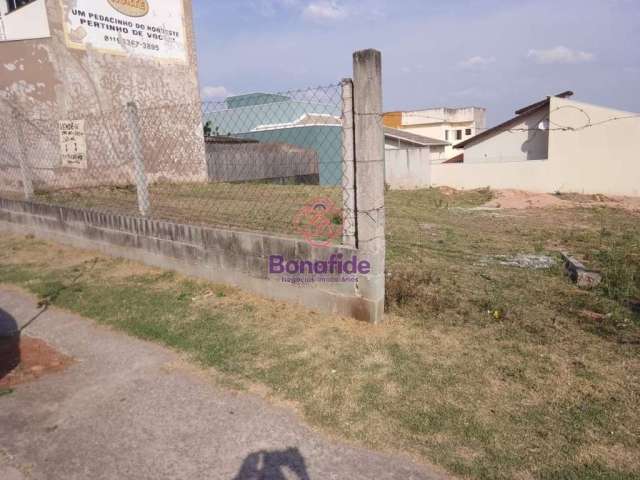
(538,390)
(253,206)
(5,391)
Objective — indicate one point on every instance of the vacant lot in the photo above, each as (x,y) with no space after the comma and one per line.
(487,369)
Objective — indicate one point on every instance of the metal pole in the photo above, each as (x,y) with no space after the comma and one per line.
(25,171)
(142,187)
(348,167)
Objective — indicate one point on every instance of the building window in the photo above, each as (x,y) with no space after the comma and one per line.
(467,132)
(458,134)
(16,4)
(446,135)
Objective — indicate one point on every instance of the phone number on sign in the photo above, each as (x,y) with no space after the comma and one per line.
(125,42)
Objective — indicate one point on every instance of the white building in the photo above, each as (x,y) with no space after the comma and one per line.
(395,139)
(23,19)
(451,125)
(555,145)
(523,137)
(408,158)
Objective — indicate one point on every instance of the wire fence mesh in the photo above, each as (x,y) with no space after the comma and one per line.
(276,163)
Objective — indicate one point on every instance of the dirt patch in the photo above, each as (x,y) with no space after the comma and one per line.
(615,456)
(448,191)
(627,203)
(519,200)
(34,358)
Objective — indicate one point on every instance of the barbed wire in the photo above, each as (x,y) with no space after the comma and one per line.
(557,127)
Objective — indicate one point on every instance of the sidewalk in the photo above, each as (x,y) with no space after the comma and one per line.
(128,409)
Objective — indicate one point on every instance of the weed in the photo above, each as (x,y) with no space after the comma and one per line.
(5,391)
(620,272)
(440,203)
(405,286)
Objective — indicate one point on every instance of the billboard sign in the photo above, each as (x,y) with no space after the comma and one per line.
(134,28)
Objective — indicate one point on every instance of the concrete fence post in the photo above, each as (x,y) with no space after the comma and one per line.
(23,160)
(142,187)
(369,174)
(348,168)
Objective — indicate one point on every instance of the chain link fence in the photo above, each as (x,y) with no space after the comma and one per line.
(277,163)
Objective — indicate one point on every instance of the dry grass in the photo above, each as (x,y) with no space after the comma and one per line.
(536,392)
(253,206)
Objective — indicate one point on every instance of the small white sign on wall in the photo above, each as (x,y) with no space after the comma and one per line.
(23,20)
(73,144)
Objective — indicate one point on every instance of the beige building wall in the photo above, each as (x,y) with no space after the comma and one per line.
(521,142)
(43,81)
(601,158)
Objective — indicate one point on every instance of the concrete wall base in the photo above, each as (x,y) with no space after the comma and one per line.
(236,258)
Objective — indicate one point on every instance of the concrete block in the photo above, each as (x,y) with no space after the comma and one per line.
(72,215)
(147,226)
(250,243)
(130,224)
(325,253)
(359,308)
(166,231)
(341,288)
(371,286)
(148,244)
(257,267)
(303,249)
(279,246)
(233,260)
(209,240)
(152,226)
(212,259)
(47,222)
(220,240)
(140,227)
(579,274)
(231,257)
(193,234)
(122,239)
(588,279)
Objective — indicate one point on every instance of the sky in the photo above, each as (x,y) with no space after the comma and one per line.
(496,54)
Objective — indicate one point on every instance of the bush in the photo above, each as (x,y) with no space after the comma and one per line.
(413,287)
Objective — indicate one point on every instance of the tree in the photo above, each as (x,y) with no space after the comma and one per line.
(208,127)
